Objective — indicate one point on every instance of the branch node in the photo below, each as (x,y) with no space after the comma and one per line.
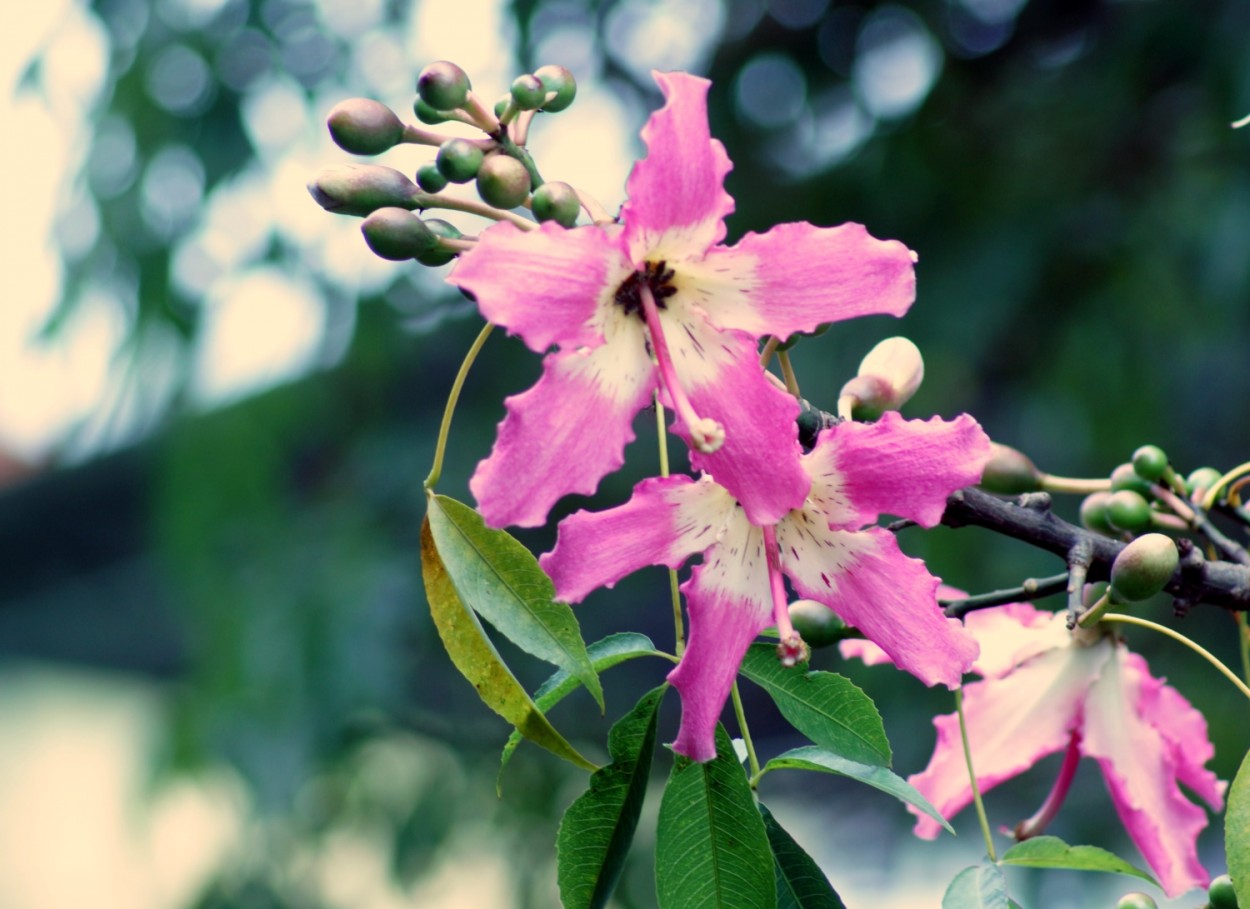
(1036,501)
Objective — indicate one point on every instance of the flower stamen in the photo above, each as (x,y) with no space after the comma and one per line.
(706,434)
(791,649)
(1036,825)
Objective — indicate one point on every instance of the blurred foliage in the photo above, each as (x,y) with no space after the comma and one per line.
(1082,213)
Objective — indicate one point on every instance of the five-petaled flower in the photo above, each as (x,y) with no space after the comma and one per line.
(657,303)
(857,472)
(1047,690)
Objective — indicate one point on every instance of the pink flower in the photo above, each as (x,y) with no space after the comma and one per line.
(857,471)
(1048,690)
(656,302)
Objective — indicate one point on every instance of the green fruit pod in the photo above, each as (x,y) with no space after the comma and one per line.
(1143,567)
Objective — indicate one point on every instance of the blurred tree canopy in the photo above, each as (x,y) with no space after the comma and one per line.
(1065,169)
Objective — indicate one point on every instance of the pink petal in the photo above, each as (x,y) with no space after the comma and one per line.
(1012,634)
(550,286)
(865,579)
(1140,771)
(1013,722)
(666,520)
(802,276)
(865,650)
(759,463)
(895,466)
(677,202)
(564,434)
(729,603)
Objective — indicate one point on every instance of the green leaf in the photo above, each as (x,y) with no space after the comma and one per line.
(1237,833)
(711,850)
(800,882)
(978,887)
(827,708)
(598,827)
(813,758)
(478,661)
(604,654)
(500,580)
(1052,852)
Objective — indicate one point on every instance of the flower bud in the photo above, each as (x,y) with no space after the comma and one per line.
(503,181)
(430,178)
(559,80)
(528,92)
(1010,472)
(1200,480)
(364,127)
(358,189)
(1136,900)
(443,85)
(816,623)
(1094,513)
(501,105)
(458,160)
(1149,462)
(1126,477)
(439,254)
(1143,567)
(556,201)
(397,234)
(888,376)
(1128,511)
(1220,893)
(427,114)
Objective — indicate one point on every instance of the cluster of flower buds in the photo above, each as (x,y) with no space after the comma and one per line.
(1146,493)
(497,164)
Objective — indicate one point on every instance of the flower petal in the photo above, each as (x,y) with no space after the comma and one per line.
(1013,722)
(797,276)
(729,603)
(866,579)
(567,432)
(550,286)
(677,201)
(1141,773)
(1012,634)
(895,466)
(666,520)
(759,462)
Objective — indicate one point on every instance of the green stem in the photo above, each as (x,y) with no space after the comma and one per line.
(752,760)
(440,447)
(972,778)
(1180,638)
(1244,637)
(1213,494)
(469,206)
(679,628)
(1074,485)
(508,147)
(787,372)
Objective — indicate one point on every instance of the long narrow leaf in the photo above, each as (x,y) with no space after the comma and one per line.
(598,828)
(478,661)
(604,654)
(825,761)
(501,581)
(800,882)
(711,849)
(827,708)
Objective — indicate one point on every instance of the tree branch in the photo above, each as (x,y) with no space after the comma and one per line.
(1030,520)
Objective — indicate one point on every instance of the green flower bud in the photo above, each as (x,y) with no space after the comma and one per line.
(427,114)
(816,623)
(556,201)
(888,376)
(1094,513)
(1010,472)
(364,127)
(1136,900)
(358,189)
(559,80)
(1128,511)
(459,160)
(1126,477)
(528,92)
(443,85)
(503,181)
(397,234)
(439,254)
(502,104)
(1149,462)
(1201,480)
(430,178)
(1143,567)
(1221,894)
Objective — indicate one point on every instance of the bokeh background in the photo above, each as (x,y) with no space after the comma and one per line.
(218,683)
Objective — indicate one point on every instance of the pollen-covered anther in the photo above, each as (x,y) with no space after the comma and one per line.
(707,435)
(791,650)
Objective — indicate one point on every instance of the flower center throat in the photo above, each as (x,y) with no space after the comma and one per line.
(656,276)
